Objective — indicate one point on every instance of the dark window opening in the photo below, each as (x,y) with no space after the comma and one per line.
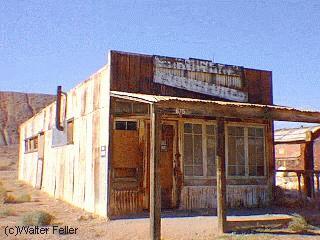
(126,125)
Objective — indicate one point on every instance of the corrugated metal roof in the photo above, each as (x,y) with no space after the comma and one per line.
(156,99)
(293,134)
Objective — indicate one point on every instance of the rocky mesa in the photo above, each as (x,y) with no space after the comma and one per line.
(15,108)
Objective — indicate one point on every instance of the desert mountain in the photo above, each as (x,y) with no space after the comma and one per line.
(15,108)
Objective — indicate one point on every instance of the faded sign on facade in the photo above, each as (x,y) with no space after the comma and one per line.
(206,77)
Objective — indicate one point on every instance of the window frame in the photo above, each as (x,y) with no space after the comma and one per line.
(125,120)
(71,120)
(203,123)
(29,144)
(246,149)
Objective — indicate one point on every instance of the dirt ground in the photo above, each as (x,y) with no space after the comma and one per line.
(91,227)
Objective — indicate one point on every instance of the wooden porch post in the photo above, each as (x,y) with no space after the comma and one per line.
(155,196)
(221,178)
(309,166)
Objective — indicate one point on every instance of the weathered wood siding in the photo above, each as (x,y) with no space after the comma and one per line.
(78,172)
(135,73)
(197,197)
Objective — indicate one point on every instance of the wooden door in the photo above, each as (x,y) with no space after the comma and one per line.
(40,161)
(166,165)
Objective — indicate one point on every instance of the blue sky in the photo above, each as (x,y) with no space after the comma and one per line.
(48,43)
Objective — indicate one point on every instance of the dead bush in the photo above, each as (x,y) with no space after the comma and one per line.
(3,194)
(298,224)
(37,218)
(10,198)
(5,211)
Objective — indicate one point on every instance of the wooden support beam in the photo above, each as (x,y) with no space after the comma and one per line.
(309,167)
(155,191)
(235,110)
(221,178)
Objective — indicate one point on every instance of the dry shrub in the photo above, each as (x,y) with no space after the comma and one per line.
(37,218)
(4,212)
(298,224)
(10,198)
(86,217)
(3,194)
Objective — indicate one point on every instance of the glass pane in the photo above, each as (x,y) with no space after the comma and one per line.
(231,170)
(240,155)
(123,107)
(187,128)
(121,125)
(198,170)
(252,151)
(210,129)
(211,170)
(197,128)
(140,108)
(188,149)
(231,151)
(241,170)
(260,171)
(197,141)
(131,125)
(259,132)
(252,170)
(188,171)
(211,150)
(251,132)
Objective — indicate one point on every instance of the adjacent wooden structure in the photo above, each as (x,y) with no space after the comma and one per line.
(297,153)
(147,133)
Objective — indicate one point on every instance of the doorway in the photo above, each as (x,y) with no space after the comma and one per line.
(168,151)
(39,175)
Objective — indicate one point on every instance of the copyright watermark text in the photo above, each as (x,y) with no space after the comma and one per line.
(36,230)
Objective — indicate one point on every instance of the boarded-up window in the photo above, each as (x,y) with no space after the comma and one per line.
(199,150)
(246,151)
(70,125)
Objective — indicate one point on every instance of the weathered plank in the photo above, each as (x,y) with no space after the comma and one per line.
(155,188)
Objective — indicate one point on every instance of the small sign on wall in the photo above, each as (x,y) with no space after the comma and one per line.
(164,146)
(103,151)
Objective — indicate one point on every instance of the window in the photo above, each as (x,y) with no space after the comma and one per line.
(70,124)
(126,107)
(199,150)
(246,151)
(126,125)
(31,144)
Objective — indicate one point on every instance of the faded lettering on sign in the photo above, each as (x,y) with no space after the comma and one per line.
(223,81)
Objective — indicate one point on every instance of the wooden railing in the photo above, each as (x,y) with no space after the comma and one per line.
(312,175)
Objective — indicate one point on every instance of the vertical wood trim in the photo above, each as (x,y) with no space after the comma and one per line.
(204,150)
(155,191)
(246,152)
(308,167)
(221,178)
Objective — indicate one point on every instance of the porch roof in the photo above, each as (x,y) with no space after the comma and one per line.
(294,134)
(179,105)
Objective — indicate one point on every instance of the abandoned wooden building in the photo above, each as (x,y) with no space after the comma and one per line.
(297,152)
(148,127)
